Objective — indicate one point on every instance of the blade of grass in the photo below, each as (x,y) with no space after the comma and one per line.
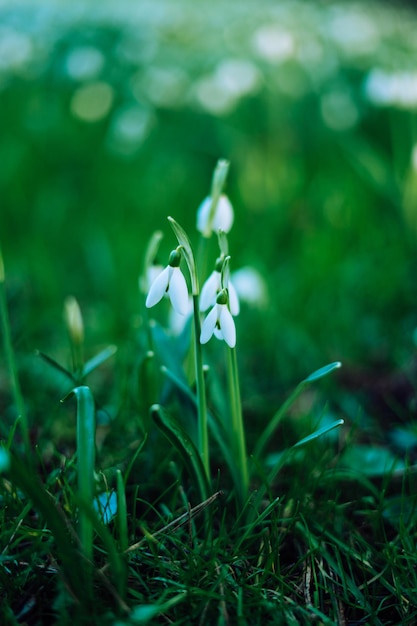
(98,359)
(143,614)
(123,532)
(11,362)
(85,461)
(55,365)
(65,538)
(276,419)
(319,433)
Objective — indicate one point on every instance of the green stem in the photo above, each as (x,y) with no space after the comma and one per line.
(238,431)
(10,357)
(201,391)
(122,512)
(123,532)
(86,452)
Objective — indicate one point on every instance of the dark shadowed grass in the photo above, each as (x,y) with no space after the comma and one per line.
(326,534)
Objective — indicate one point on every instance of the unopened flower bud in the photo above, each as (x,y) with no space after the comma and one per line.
(74,320)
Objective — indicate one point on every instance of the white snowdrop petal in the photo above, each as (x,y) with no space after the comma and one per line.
(234,305)
(202,214)
(158,287)
(227,326)
(250,286)
(178,291)
(208,326)
(223,218)
(209,291)
(177,322)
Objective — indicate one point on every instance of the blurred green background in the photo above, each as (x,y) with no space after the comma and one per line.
(113,116)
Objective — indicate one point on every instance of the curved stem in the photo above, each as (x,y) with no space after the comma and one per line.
(201,391)
(238,431)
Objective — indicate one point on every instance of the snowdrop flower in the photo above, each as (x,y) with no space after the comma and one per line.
(170,281)
(222,219)
(250,286)
(212,287)
(219,322)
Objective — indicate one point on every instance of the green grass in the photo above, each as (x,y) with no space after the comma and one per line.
(185,483)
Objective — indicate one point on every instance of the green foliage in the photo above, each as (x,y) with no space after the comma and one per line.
(112,119)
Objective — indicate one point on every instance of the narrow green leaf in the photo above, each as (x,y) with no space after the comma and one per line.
(60,368)
(280,414)
(318,433)
(323,371)
(184,446)
(122,512)
(250,529)
(97,360)
(143,613)
(275,421)
(86,428)
(134,457)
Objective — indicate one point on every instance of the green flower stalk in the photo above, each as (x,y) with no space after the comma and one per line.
(238,430)
(219,322)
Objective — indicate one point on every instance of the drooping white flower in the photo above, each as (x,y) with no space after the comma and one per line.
(212,288)
(219,322)
(170,281)
(222,219)
(250,286)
